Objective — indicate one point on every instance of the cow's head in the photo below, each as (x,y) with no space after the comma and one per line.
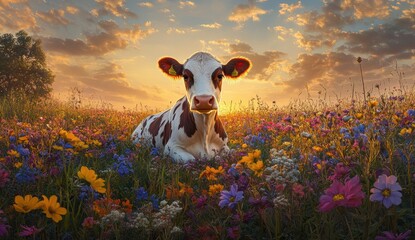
(202,74)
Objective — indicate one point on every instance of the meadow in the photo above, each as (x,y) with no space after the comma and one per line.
(305,171)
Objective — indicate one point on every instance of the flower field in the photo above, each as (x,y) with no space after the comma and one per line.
(302,172)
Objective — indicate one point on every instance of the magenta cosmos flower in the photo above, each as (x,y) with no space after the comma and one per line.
(348,194)
(387,191)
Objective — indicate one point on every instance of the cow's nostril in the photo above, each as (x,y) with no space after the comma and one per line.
(211,101)
(197,102)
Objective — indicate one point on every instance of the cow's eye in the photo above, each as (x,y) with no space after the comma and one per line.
(220,76)
(185,77)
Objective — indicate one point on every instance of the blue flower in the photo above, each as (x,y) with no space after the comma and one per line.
(155,202)
(26,174)
(231,198)
(154,151)
(25,152)
(142,194)
(411,112)
(123,165)
(87,192)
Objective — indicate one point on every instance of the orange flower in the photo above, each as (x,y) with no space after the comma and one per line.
(26,204)
(215,188)
(13,153)
(210,173)
(52,208)
(257,167)
(99,185)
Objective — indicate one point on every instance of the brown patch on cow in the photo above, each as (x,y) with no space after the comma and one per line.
(154,127)
(166,133)
(144,126)
(219,129)
(217,76)
(187,120)
(188,78)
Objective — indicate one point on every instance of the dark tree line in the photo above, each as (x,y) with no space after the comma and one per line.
(23,69)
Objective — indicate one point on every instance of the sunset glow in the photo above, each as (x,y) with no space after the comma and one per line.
(108,49)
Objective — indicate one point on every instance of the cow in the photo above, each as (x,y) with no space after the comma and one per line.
(192,129)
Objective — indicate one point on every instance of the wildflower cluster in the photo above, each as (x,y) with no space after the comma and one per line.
(74,173)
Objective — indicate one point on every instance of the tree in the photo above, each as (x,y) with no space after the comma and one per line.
(23,70)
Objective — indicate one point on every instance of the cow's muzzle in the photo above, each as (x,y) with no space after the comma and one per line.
(204,104)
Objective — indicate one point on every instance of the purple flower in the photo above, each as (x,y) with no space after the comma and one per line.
(392,236)
(387,191)
(231,198)
(3,225)
(4,177)
(29,231)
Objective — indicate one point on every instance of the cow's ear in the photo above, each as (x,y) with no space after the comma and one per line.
(237,67)
(171,67)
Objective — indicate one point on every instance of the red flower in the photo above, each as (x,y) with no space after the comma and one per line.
(347,195)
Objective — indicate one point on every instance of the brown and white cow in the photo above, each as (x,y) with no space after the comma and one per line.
(191,128)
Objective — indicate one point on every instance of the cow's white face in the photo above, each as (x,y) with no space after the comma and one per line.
(202,75)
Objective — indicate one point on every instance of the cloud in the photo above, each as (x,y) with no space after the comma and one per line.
(310,42)
(212,25)
(289,8)
(112,38)
(107,82)
(368,8)
(16,15)
(113,7)
(146,4)
(72,10)
(332,70)
(283,32)
(264,65)
(245,12)
(53,16)
(181,30)
(394,38)
(183,4)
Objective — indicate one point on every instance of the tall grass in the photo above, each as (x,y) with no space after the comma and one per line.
(44,144)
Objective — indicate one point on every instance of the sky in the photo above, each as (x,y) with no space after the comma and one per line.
(108,49)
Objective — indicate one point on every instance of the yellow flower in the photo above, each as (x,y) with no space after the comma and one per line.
(244,145)
(251,157)
(13,153)
(26,204)
(56,147)
(18,164)
(215,188)
(210,173)
(359,115)
(317,148)
(87,174)
(286,144)
(405,131)
(98,185)
(24,139)
(257,167)
(373,103)
(52,208)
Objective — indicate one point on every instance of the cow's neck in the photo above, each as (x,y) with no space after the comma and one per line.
(205,124)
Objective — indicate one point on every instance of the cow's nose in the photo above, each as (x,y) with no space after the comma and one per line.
(204,102)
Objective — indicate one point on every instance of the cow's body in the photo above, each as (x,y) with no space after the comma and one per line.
(191,128)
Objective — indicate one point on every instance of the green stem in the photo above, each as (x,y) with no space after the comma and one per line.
(348,227)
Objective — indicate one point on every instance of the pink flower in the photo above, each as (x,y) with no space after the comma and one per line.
(88,222)
(392,236)
(347,195)
(339,172)
(29,231)
(298,189)
(4,177)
